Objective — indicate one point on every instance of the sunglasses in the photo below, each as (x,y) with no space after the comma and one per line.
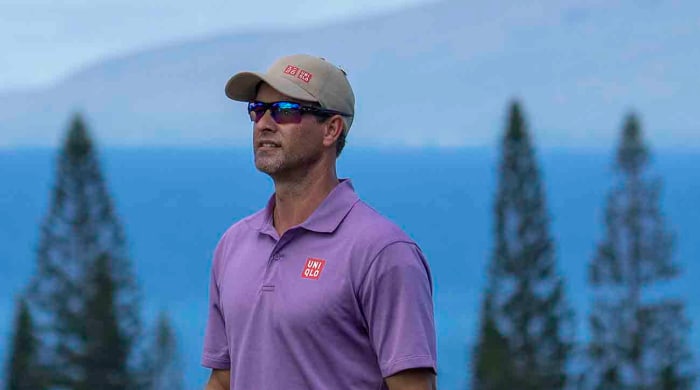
(287,112)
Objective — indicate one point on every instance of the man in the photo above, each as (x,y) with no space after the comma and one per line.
(317,290)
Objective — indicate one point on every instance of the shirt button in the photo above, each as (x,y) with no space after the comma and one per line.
(276,257)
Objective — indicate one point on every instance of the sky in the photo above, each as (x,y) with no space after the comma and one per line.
(580,65)
(45,40)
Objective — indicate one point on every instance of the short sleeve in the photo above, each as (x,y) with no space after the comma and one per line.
(216,352)
(396,299)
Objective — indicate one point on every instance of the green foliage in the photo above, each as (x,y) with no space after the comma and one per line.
(24,371)
(492,366)
(83,290)
(105,356)
(637,342)
(528,323)
(163,364)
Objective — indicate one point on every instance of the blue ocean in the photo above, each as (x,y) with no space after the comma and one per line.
(175,204)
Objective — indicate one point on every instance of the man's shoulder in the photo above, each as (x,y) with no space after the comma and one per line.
(376,239)
(372,227)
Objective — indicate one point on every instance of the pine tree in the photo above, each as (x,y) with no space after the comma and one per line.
(637,342)
(81,233)
(164,365)
(23,367)
(105,357)
(492,365)
(529,320)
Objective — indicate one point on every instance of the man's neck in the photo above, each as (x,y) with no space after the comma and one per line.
(297,199)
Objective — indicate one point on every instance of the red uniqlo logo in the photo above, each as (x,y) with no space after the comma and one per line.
(292,70)
(313,268)
(304,76)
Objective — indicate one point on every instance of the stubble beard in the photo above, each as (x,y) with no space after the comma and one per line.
(281,163)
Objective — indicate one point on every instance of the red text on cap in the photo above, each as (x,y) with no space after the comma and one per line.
(304,76)
(300,73)
(291,70)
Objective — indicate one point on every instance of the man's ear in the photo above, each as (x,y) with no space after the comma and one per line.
(333,130)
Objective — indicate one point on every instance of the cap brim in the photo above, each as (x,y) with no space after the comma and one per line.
(243,87)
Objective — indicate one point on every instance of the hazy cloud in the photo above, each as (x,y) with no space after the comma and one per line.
(44,40)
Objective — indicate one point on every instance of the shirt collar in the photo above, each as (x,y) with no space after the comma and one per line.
(325,219)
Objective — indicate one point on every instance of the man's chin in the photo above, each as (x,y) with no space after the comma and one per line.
(267,167)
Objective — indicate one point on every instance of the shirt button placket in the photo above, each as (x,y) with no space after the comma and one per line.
(269,284)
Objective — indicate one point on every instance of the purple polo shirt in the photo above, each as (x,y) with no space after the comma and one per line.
(340,301)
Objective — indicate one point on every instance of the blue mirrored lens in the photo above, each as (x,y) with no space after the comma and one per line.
(286,105)
(281,112)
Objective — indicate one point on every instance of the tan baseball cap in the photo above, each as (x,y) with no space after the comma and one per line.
(301,77)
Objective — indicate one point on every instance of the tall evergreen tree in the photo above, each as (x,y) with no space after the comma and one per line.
(81,243)
(492,366)
(164,365)
(24,370)
(105,356)
(637,342)
(526,317)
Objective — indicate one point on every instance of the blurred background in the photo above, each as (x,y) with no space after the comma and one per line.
(544,155)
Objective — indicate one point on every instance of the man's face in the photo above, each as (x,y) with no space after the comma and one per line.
(282,150)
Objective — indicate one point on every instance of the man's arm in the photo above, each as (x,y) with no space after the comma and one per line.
(219,380)
(413,379)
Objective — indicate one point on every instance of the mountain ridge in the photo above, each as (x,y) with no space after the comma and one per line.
(438,74)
